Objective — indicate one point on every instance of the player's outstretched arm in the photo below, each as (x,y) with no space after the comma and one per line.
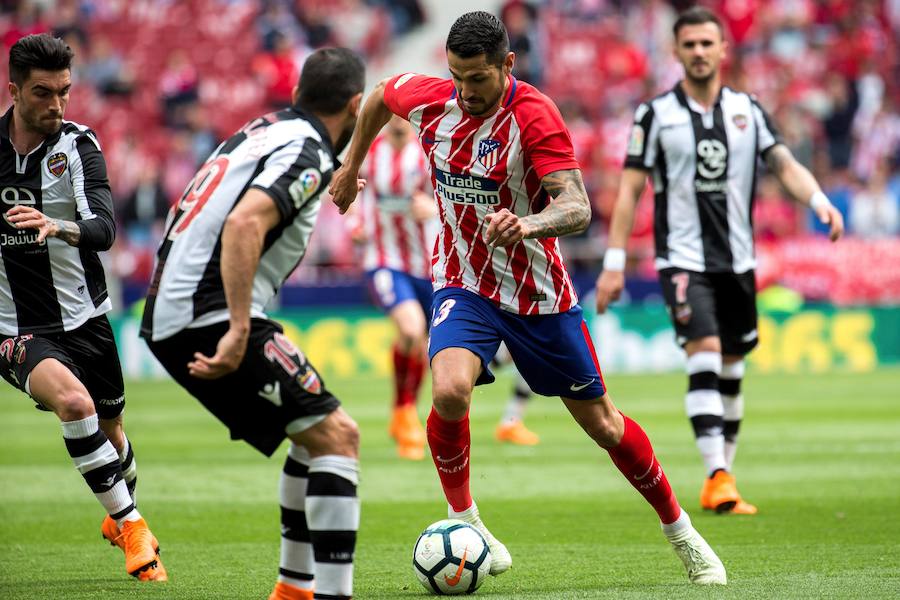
(345,184)
(611,280)
(804,188)
(242,242)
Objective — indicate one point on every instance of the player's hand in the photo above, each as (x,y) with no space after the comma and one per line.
(422,207)
(503,228)
(28,217)
(609,287)
(229,354)
(829,215)
(344,187)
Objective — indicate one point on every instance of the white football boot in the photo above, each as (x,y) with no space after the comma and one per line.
(501,560)
(702,564)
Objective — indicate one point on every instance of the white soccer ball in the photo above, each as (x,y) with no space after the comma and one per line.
(451,557)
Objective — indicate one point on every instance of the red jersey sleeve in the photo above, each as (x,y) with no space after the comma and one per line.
(405,92)
(545,139)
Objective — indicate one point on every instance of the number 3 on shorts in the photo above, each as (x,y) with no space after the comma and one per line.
(443,311)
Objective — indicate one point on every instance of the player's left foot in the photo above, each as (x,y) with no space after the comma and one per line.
(501,560)
(702,564)
(515,432)
(284,591)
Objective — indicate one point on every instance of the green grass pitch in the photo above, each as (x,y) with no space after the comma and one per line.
(819,454)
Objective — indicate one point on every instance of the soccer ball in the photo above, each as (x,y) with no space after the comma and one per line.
(451,557)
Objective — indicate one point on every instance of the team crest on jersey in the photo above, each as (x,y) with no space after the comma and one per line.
(57,163)
(740,121)
(309,381)
(488,152)
(306,186)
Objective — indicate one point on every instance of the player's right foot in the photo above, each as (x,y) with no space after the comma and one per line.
(141,560)
(408,431)
(283,591)
(719,492)
(515,432)
(501,560)
(702,564)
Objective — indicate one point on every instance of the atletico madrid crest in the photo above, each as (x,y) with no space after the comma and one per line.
(740,121)
(488,153)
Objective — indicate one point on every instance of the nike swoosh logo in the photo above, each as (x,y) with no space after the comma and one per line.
(451,581)
(451,459)
(578,388)
(650,468)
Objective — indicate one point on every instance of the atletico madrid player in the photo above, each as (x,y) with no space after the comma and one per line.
(507,183)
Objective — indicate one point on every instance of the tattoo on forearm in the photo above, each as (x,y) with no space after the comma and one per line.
(568,212)
(68,232)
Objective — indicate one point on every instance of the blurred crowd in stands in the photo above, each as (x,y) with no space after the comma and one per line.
(163,81)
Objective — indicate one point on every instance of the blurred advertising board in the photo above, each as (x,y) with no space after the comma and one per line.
(632,339)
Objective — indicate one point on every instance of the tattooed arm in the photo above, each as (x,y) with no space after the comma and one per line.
(803,187)
(26,217)
(569,211)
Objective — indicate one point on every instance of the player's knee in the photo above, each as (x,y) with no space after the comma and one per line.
(605,432)
(451,398)
(72,405)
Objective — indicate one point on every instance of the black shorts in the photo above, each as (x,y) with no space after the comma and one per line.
(712,304)
(273,387)
(89,352)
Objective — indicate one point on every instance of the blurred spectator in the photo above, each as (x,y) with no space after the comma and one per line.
(144,210)
(106,69)
(875,211)
(203,137)
(27,19)
(843,102)
(519,18)
(276,71)
(178,86)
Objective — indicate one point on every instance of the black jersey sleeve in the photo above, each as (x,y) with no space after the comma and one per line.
(93,198)
(641,153)
(294,174)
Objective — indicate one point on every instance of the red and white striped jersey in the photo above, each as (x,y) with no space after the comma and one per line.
(481,165)
(394,239)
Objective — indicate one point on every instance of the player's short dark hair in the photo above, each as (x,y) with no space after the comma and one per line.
(329,79)
(38,51)
(696,15)
(477,33)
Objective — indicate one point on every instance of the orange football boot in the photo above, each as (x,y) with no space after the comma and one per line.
(111,533)
(515,432)
(744,508)
(719,493)
(284,591)
(409,433)
(141,560)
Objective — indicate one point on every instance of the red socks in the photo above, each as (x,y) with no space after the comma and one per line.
(408,372)
(635,459)
(450,442)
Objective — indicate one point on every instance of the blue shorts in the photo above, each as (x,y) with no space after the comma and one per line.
(390,287)
(554,353)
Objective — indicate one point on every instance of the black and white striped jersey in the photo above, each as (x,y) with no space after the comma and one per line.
(289,156)
(703,165)
(53,287)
